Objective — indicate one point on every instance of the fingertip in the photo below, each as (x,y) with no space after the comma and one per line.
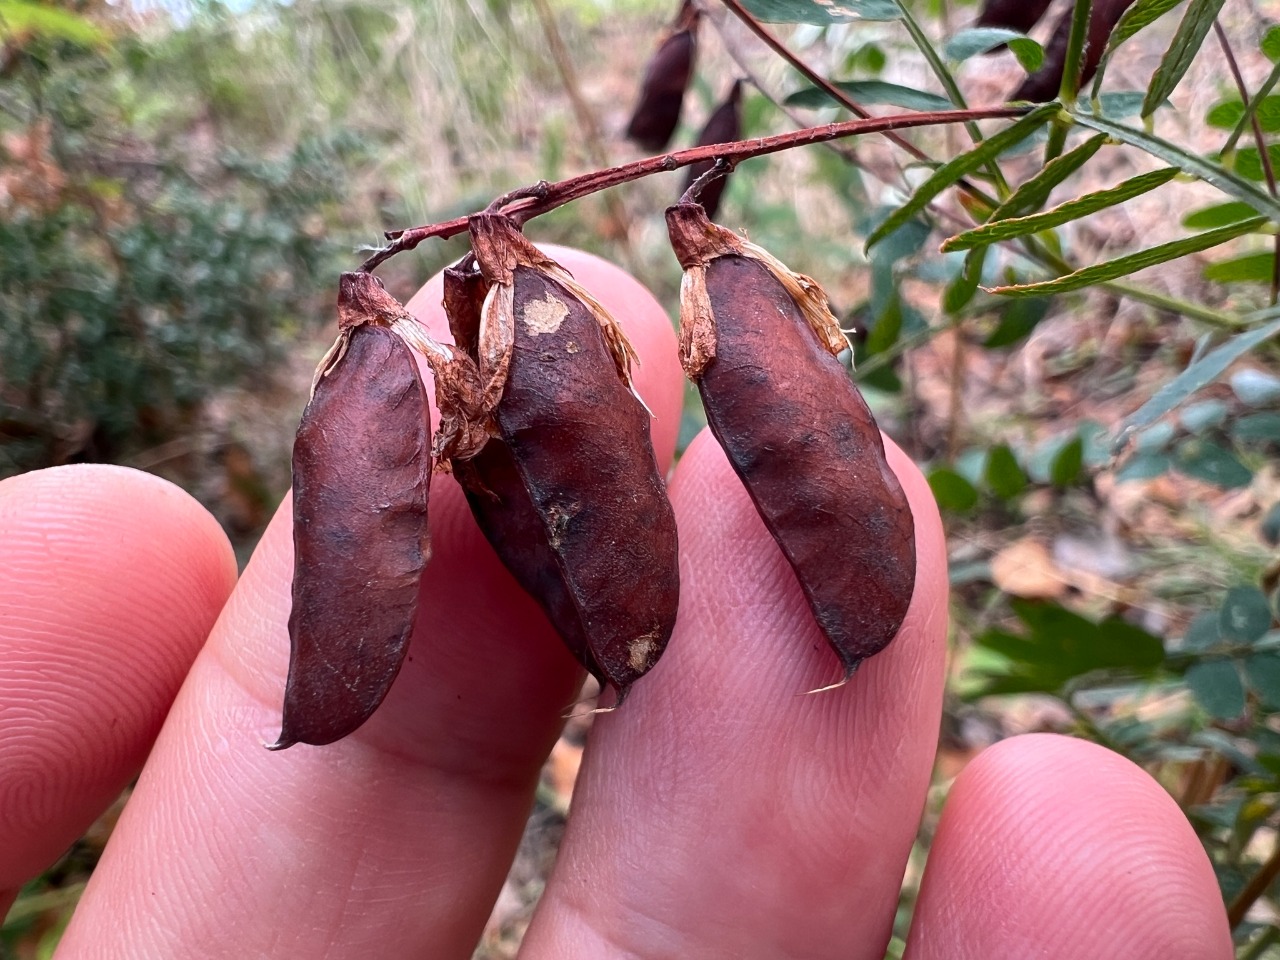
(1057,846)
(113,579)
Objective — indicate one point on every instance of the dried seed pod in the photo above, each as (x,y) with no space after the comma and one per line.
(1020,15)
(760,343)
(723,126)
(657,112)
(361,466)
(487,471)
(567,488)
(1043,85)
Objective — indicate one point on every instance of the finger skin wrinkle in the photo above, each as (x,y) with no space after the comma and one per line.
(394,841)
(1056,847)
(722,790)
(100,616)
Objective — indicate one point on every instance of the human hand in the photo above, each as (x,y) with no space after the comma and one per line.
(719,813)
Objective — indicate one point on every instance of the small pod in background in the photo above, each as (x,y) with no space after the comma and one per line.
(567,487)
(361,468)
(760,343)
(1043,85)
(666,77)
(723,126)
(1020,15)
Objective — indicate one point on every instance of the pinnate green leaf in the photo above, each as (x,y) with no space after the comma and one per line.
(1004,477)
(871,92)
(1245,615)
(1203,633)
(822,14)
(1199,374)
(1034,193)
(1058,645)
(1262,670)
(1139,16)
(1188,39)
(1256,267)
(994,231)
(1066,466)
(1218,215)
(976,41)
(1257,428)
(1227,114)
(1247,162)
(1131,263)
(1207,461)
(1017,320)
(1227,181)
(971,43)
(1270,45)
(955,169)
(952,491)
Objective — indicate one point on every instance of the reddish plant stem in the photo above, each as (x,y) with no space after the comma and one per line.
(1258,884)
(830,89)
(545,197)
(819,81)
(1263,153)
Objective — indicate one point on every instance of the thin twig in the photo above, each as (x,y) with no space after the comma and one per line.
(586,119)
(1263,153)
(848,102)
(848,154)
(1258,884)
(575,188)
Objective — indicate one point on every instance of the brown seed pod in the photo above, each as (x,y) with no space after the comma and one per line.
(657,112)
(361,466)
(723,126)
(1020,15)
(487,472)
(1044,84)
(760,343)
(567,488)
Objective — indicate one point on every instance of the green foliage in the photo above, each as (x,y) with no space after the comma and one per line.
(1131,263)
(134,288)
(954,170)
(185,199)
(1201,372)
(1195,26)
(869,92)
(822,14)
(971,43)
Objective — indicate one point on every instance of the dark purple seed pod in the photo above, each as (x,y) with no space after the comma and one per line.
(488,475)
(566,486)
(723,126)
(1044,84)
(1020,15)
(760,343)
(666,77)
(361,469)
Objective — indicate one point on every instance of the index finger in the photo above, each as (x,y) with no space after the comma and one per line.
(725,813)
(396,839)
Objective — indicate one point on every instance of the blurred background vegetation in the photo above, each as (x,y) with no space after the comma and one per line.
(181,182)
